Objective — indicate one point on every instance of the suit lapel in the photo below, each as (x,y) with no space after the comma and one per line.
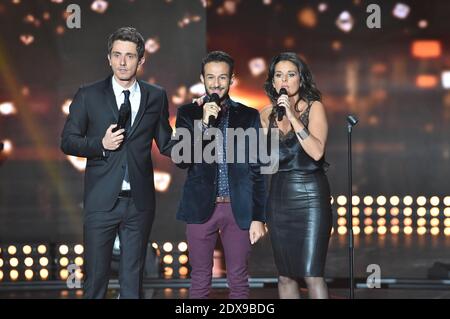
(110,98)
(144,98)
(233,120)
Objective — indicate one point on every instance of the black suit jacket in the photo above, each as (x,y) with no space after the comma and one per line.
(247,185)
(92,111)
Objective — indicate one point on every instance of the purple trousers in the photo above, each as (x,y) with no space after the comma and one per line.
(202,239)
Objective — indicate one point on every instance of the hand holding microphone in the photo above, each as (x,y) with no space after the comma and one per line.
(280,109)
(211,110)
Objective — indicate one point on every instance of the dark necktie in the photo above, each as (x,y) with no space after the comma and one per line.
(126,108)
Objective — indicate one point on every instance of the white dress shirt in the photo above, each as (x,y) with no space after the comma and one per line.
(135,101)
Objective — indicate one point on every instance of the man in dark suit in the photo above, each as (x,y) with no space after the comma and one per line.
(113,123)
(219,196)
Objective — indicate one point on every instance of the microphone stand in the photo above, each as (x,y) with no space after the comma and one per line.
(351,121)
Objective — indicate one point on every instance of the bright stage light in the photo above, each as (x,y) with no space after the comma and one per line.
(43,261)
(401,11)
(12,250)
(381,222)
(368,230)
(434,201)
(407,200)
(14,262)
(426,49)
(445,78)
(381,200)
(342,230)
(421,222)
(447,211)
(434,211)
(257,66)
(167,247)
(14,275)
(64,261)
(183,259)
(394,200)
(7,108)
(421,200)
(447,222)
(168,259)
(421,231)
(434,231)
(63,274)
(345,21)
(408,230)
(99,6)
(355,211)
(341,211)
(43,273)
(183,271)
(29,274)
(79,261)
(162,181)
(182,247)
(168,271)
(434,222)
(78,162)
(381,211)
(342,200)
(382,230)
(407,211)
(394,211)
(42,249)
(79,249)
(27,249)
(407,221)
(368,211)
(28,261)
(65,107)
(395,230)
(421,211)
(368,200)
(63,249)
(355,200)
(368,221)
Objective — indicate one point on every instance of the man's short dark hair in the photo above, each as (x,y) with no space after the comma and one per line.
(218,56)
(127,34)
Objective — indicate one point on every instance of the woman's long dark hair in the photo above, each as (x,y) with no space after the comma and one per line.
(308,91)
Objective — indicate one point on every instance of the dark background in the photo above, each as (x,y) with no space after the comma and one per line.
(401,144)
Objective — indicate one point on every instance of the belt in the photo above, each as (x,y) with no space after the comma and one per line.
(223,199)
(125,193)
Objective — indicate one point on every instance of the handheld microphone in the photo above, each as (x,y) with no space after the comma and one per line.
(216,99)
(124,115)
(280,109)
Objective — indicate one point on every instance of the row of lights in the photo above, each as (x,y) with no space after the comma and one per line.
(393,200)
(394,211)
(395,229)
(36,257)
(27,259)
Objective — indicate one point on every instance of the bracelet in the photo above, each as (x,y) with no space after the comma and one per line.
(303,134)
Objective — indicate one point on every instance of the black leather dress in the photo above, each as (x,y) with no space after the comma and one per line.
(299,210)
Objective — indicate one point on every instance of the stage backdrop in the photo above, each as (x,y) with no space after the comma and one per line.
(395,79)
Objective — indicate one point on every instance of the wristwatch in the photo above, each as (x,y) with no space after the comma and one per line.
(303,133)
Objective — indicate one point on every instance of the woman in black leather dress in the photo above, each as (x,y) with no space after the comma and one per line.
(299,210)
